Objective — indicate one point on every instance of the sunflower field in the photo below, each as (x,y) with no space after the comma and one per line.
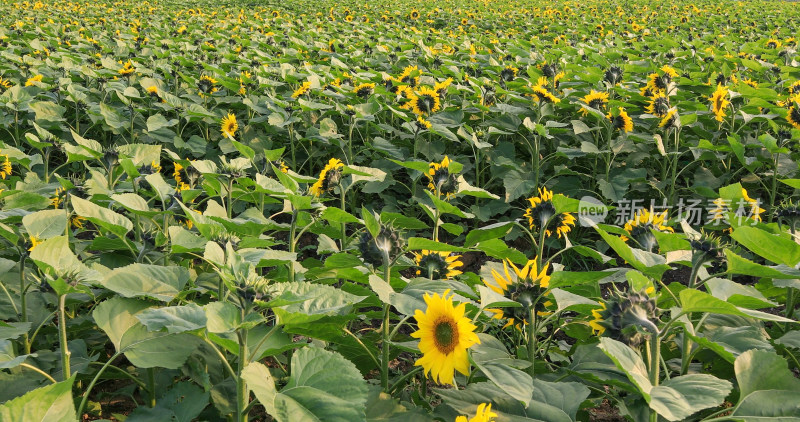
(340,210)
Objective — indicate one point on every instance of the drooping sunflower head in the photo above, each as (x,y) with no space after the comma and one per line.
(206,85)
(627,317)
(596,100)
(425,101)
(621,120)
(613,75)
(437,265)
(788,212)
(541,94)
(389,241)
(670,120)
(542,215)
(640,226)
(527,286)
(709,248)
(509,73)
(483,414)
(229,126)
(329,177)
(444,335)
(440,181)
(364,90)
(658,105)
(719,102)
(422,124)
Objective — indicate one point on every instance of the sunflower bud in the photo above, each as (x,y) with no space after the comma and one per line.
(627,317)
(709,249)
(388,243)
(788,213)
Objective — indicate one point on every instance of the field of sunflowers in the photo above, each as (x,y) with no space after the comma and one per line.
(399,211)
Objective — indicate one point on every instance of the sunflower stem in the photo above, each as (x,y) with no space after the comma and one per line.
(24,299)
(385,328)
(344,225)
(242,396)
(532,341)
(654,346)
(62,336)
(292,246)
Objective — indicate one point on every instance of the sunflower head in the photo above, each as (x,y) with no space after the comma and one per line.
(772,43)
(229,125)
(441,87)
(437,265)
(389,242)
(788,212)
(440,181)
(640,226)
(329,177)
(658,105)
(444,335)
(527,286)
(424,101)
(410,76)
(542,215)
(152,91)
(5,166)
(422,124)
(509,73)
(613,75)
(596,100)
(719,102)
(626,317)
(793,115)
(126,69)
(364,90)
(483,414)
(33,80)
(709,249)
(670,120)
(621,120)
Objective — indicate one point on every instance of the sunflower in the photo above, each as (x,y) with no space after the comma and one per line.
(229,125)
(755,209)
(627,317)
(794,88)
(658,105)
(595,323)
(622,121)
(423,124)
(302,89)
(526,286)
(406,78)
(437,265)
(596,100)
(126,69)
(670,119)
(152,91)
(640,226)
(35,241)
(31,81)
(58,197)
(772,43)
(483,414)
(440,181)
(441,87)
(364,90)
(509,73)
(541,94)
(750,82)
(424,101)
(329,177)
(414,14)
(5,83)
(445,335)
(542,214)
(206,85)
(719,102)
(5,166)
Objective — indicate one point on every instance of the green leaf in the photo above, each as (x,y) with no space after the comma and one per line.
(779,250)
(678,398)
(763,370)
(222,317)
(566,300)
(696,301)
(371,222)
(336,215)
(730,342)
(629,362)
(103,217)
(149,350)
(302,303)
(175,319)
(492,231)
(653,266)
(417,243)
(769,406)
(382,407)
(492,358)
(143,280)
(54,254)
(182,403)
(45,224)
(323,386)
(52,403)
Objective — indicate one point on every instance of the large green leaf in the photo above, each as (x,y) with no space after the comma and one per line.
(144,280)
(323,386)
(302,303)
(763,370)
(492,358)
(629,362)
(45,224)
(175,319)
(382,407)
(677,398)
(182,403)
(696,301)
(769,406)
(779,250)
(52,403)
(103,217)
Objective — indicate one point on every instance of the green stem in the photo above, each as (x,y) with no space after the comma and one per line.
(532,341)
(42,373)
(62,336)
(230,197)
(344,225)
(385,329)
(242,396)
(24,299)
(292,246)
(790,302)
(654,346)
(151,386)
(92,383)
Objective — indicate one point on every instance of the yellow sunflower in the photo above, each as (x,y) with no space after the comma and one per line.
(206,85)
(5,166)
(526,286)
(34,243)
(32,80)
(5,83)
(755,209)
(719,102)
(793,115)
(440,181)
(424,101)
(329,177)
(407,78)
(541,94)
(302,89)
(640,226)
(596,100)
(670,119)
(658,105)
(437,265)
(444,336)
(772,43)
(621,121)
(127,68)
(229,125)
(364,90)
(441,87)
(483,414)
(542,215)
(598,328)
